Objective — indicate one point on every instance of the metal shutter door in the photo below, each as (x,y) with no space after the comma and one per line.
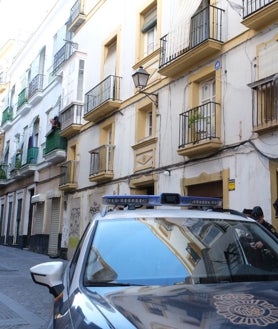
(54,228)
(38,225)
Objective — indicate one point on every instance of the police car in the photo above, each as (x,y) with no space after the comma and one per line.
(166,261)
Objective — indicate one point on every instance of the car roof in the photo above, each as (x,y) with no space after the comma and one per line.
(171,205)
(162,212)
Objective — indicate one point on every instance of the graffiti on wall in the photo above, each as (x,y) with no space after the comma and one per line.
(95,208)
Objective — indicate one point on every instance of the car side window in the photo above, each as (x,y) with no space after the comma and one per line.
(75,257)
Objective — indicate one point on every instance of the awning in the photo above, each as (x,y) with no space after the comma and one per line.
(38,198)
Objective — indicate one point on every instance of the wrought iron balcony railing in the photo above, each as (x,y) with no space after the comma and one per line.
(77,16)
(252,6)
(198,124)
(36,85)
(102,159)
(63,54)
(72,115)
(204,25)
(265,114)
(32,155)
(108,89)
(55,142)
(76,9)
(16,161)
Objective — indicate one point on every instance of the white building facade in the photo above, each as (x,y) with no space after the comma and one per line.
(205,124)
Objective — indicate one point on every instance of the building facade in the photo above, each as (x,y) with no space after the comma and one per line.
(75,127)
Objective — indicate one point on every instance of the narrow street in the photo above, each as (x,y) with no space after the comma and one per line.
(23,304)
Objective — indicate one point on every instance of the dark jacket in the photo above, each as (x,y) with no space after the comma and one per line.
(270,228)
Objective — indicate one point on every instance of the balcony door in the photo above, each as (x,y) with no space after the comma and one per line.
(199,24)
(109,69)
(109,141)
(207,106)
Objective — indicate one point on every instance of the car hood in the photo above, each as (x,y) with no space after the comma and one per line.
(206,306)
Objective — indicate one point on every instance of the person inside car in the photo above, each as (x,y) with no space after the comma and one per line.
(258,254)
(258,215)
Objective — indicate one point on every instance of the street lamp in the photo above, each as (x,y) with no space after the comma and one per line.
(140,80)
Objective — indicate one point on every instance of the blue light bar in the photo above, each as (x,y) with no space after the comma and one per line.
(172,199)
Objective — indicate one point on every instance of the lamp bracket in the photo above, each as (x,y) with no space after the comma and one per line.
(152,96)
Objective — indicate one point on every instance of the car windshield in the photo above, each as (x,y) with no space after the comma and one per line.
(167,251)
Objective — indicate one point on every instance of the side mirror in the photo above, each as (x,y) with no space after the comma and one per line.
(50,275)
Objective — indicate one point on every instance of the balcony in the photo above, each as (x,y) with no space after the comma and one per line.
(71,118)
(55,147)
(31,164)
(101,165)
(198,130)
(35,89)
(7,117)
(265,115)
(103,100)
(77,16)
(259,13)
(22,98)
(192,44)
(68,176)
(62,55)
(22,105)
(16,161)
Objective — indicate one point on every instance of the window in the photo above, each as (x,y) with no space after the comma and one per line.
(6,153)
(199,22)
(207,91)
(145,122)
(36,129)
(265,88)
(149,30)
(107,132)
(266,99)
(18,143)
(80,80)
(13,99)
(202,120)
(207,102)
(110,58)
(62,47)
(149,123)
(22,90)
(145,142)
(106,151)
(35,74)
(59,39)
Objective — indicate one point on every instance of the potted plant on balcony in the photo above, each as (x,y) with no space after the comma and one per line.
(18,159)
(194,117)
(198,122)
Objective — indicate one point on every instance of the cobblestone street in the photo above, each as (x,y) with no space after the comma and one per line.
(23,304)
